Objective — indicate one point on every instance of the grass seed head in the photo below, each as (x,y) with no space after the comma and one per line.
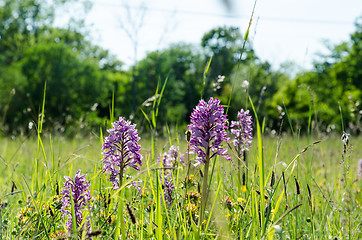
(131,214)
(297,186)
(95,233)
(272,180)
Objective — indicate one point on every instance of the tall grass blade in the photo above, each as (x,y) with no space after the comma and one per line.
(40,128)
(111,110)
(160,97)
(213,206)
(72,210)
(287,212)
(260,159)
(204,77)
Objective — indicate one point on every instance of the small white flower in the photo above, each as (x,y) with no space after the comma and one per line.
(278,229)
(94,107)
(283,164)
(220,78)
(245,84)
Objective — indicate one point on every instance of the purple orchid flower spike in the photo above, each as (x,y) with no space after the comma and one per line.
(242,131)
(208,130)
(170,159)
(121,149)
(79,189)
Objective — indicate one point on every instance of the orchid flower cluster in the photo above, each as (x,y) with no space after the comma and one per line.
(208,131)
(242,131)
(78,191)
(170,159)
(121,149)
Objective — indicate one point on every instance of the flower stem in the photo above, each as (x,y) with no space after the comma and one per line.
(204,193)
(120,209)
(188,172)
(123,227)
(239,172)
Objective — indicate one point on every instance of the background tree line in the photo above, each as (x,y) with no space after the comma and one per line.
(81,78)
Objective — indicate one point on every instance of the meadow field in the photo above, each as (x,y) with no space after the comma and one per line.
(89,151)
(312,190)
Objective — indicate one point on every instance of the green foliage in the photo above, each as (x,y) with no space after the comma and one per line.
(74,80)
(335,80)
(181,65)
(224,44)
(263,84)
(81,78)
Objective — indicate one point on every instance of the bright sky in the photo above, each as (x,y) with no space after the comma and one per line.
(282,30)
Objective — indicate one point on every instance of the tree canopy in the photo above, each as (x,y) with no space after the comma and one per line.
(334,82)
(81,78)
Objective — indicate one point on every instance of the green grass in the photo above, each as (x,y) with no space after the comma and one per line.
(30,205)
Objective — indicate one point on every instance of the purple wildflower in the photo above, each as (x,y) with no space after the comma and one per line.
(121,149)
(242,131)
(208,125)
(81,196)
(168,190)
(137,184)
(170,159)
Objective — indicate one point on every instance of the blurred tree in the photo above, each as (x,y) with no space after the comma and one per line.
(21,24)
(259,81)
(80,76)
(335,80)
(182,65)
(74,86)
(224,44)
